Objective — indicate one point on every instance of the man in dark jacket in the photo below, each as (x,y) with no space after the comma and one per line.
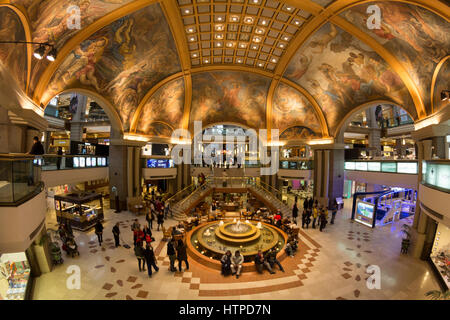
(271,258)
(116,233)
(295,212)
(182,255)
(37,147)
(171,253)
(149,255)
(260,263)
(99,232)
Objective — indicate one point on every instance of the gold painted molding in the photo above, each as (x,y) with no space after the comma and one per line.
(106,105)
(26,24)
(187,101)
(344,122)
(433,81)
(80,37)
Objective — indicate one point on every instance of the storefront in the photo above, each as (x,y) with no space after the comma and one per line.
(440,253)
(81,210)
(15,274)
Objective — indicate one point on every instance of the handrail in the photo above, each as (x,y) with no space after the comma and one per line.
(176,194)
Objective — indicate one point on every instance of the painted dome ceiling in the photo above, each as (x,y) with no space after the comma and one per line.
(297,66)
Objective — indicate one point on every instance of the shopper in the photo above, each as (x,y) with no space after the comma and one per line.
(160,218)
(134,228)
(315,214)
(59,158)
(99,232)
(308,218)
(149,218)
(37,148)
(271,258)
(261,263)
(116,233)
(226,263)
(295,212)
(139,252)
(171,253)
(182,255)
(334,208)
(322,220)
(148,237)
(150,258)
(236,264)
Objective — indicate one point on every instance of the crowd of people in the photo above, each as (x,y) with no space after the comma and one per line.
(315,213)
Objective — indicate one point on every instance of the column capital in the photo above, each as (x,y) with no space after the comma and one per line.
(428,132)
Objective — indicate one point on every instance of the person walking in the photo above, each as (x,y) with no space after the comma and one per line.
(139,252)
(322,220)
(333,211)
(99,232)
(308,217)
(236,264)
(304,217)
(315,215)
(295,212)
(149,218)
(59,158)
(172,254)
(148,237)
(160,218)
(116,233)
(149,255)
(182,255)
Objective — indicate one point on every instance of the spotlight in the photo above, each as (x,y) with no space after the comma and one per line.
(52,55)
(39,52)
(445,95)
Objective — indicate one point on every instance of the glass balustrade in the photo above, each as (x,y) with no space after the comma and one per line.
(389,166)
(436,174)
(49,162)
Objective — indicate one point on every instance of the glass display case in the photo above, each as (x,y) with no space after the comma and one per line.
(81,210)
(14,276)
(436,174)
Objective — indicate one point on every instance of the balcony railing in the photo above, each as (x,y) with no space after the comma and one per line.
(50,162)
(20,179)
(436,174)
(386,166)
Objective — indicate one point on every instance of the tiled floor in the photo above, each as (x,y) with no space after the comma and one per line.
(329,265)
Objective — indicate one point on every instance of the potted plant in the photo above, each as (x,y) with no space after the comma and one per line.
(438,295)
(406,241)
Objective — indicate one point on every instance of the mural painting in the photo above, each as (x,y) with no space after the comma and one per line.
(356,76)
(291,108)
(442,83)
(165,105)
(121,61)
(235,96)
(13,56)
(298,133)
(418,38)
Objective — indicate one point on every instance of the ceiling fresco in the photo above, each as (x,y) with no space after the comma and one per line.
(13,55)
(49,22)
(415,36)
(234,58)
(354,75)
(121,61)
(165,105)
(238,97)
(290,108)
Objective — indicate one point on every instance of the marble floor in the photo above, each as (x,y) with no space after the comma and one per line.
(329,265)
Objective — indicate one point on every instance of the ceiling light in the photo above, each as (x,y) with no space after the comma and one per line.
(256,39)
(248,20)
(255,1)
(264,22)
(219,19)
(39,52)
(186,11)
(242,45)
(239,60)
(230,44)
(219,27)
(288,8)
(191,30)
(234,19)
(218,44)
(52,55)
(297,22)
(286,38)
(194,55)
(254,47)
(281,45)
(260,64)
(191,39)
(219,36)
(274,60)
(259,31)
(206,61)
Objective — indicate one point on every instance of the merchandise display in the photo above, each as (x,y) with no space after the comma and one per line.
(14,276)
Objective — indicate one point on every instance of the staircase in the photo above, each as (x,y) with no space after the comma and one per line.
(185,199)
(179,209)
(272,199)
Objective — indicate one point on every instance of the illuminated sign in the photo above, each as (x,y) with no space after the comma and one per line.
(374,166)
(407,167)
(365,213)
(159,163)
(389,167)
(349,166)
(361,166)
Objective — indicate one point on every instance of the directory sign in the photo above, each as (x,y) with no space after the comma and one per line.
(349,166)
(159,163)
(389,167)
(361,166)
(365,213)
(407,167)
(374,166)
